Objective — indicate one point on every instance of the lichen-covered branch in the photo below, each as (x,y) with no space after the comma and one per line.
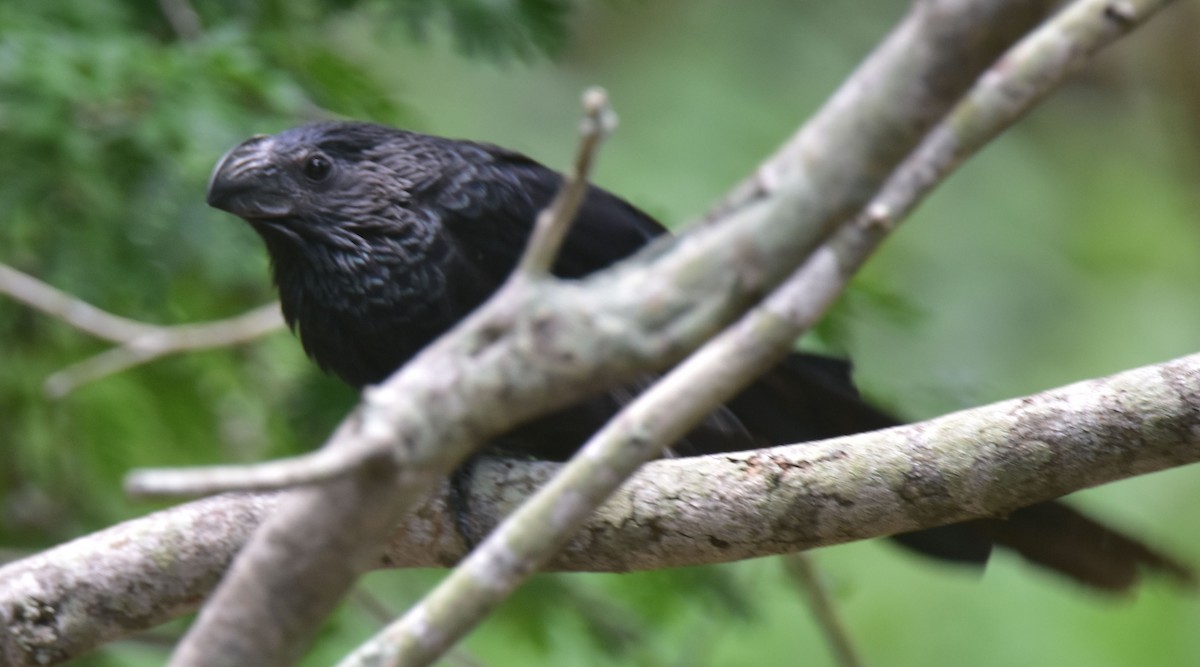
(982,462)
(64,602)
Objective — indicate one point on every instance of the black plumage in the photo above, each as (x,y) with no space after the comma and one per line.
(382,239)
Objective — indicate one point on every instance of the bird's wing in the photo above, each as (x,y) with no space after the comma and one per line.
(492,196)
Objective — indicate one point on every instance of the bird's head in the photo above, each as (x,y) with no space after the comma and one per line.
(325,181)
(356,258)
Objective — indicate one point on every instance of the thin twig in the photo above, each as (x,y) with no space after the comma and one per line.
(806,573)
(137,342)
(184,19)
(165,341)
(554,221)
(71,310)
(317,466)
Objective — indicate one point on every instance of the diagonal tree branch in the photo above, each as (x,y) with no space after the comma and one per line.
(982,462)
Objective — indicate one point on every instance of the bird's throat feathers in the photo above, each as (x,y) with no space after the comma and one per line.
(347,301)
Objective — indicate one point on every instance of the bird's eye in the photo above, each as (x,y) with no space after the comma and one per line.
(317,167)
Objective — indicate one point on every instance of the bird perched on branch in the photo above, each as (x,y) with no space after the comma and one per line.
(382,239)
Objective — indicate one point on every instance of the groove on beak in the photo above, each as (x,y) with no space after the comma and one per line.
(247,183)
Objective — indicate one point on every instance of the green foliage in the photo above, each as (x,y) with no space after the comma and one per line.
(109,124)
(108,132)
(522,28)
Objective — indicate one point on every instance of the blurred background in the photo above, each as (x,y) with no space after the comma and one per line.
(1069,249)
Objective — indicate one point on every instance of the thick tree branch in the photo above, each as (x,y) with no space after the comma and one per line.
(67,601)
(982,462)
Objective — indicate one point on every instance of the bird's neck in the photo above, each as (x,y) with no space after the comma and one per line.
(361,312)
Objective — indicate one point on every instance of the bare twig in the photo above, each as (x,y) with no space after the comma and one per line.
(75,312)
(806,573)
(165,341)
(555,220)
(182,16)
(674,512)
(138,342)
(318,466)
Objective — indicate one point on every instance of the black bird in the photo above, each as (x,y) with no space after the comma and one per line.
(382,239)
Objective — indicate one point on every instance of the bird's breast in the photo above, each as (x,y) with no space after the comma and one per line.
(361,317)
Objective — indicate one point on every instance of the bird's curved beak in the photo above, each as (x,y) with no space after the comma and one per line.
(247,182)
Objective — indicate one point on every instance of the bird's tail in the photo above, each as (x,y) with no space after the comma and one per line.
(1067,541)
